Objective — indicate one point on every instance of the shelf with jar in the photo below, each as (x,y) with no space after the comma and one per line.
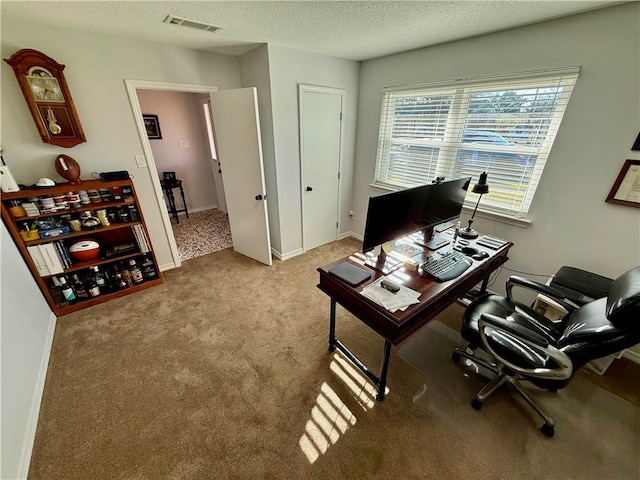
(66,232)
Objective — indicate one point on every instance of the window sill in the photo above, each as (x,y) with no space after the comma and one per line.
(496,217)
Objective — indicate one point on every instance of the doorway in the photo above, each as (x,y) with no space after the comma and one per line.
(184,152)
(234,116)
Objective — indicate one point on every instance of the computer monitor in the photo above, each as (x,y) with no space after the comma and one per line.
(393,215)
(444,201)
(398,214)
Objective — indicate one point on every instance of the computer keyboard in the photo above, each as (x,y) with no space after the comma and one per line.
(446,266)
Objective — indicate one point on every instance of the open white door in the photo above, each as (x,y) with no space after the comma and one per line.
(237,137)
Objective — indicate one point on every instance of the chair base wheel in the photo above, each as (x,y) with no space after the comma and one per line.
(455,356)
(548,430)
(477,404)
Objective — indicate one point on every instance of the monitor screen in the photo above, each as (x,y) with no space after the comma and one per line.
(444,201)
(394,215)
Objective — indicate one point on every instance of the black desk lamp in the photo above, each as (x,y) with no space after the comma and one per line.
(480,188)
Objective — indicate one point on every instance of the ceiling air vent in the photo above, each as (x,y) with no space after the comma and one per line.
(191,23)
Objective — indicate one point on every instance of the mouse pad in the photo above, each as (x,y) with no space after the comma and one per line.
(350,273)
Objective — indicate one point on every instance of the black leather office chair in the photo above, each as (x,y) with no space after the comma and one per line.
(525,345)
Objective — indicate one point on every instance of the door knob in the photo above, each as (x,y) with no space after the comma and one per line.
(259,197)
(309,189)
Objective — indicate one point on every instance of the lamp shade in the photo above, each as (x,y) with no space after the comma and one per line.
(481,187)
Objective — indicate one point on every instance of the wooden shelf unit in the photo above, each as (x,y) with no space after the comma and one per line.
(107,236)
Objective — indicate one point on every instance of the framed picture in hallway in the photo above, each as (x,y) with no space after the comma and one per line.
(152,126)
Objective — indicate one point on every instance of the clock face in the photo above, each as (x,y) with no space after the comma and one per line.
(44,86)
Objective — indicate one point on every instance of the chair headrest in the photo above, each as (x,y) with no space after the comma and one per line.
(623,301)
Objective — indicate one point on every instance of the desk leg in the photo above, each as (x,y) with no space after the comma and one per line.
(332,326)
(384,368)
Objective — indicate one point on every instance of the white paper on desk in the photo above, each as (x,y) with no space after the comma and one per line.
(391,301)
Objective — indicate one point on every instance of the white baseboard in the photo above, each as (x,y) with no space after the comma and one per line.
(36,401)
(342,236)
(292,254)
(167,266)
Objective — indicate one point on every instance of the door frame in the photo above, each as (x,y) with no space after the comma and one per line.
(306,88)
(132,86)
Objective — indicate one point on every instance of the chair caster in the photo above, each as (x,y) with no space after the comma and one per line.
(477,404)
(455,356)
(548,430)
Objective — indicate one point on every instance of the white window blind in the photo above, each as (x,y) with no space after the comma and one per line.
(503,125)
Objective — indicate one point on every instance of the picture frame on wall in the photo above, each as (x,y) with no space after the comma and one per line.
(636,144)
(626,188)
(152,126)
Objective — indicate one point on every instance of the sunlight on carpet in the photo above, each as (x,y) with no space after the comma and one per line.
(330,415)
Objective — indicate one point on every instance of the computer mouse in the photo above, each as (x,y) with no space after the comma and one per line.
(390,286)
(480,255)
(469,251)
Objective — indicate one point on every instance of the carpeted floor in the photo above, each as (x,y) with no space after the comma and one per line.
(203,232)
(506,420)
(223,372)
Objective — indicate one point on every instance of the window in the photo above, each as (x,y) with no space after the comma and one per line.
(504,126)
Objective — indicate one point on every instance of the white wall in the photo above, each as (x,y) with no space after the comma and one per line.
(572,225)
(288,68)
(27,326)
(181,118)
(96,67)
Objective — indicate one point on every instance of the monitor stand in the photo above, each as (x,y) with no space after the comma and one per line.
(429,239)
(383,262)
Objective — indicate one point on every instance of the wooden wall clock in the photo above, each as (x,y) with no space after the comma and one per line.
(45,89)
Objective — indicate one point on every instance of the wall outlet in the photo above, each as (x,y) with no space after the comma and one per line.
(140,161)
(183,144)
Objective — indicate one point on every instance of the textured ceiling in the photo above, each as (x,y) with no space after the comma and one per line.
(347,29)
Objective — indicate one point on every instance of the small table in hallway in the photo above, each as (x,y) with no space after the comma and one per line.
(167,186)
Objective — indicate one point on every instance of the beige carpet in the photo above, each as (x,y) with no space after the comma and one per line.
(507,423)
(223,372)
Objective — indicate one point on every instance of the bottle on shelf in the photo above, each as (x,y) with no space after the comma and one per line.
(126,276)
(99,278)
(56,293)
(110,284)
(121,283)
(67,290)
(136,273)
(79,287)
(148,269)
(92,286)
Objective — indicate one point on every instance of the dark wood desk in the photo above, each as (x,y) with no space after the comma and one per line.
(398,326)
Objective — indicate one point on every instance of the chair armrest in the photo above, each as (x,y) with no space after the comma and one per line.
(558,296)
(537,344)
(518,330)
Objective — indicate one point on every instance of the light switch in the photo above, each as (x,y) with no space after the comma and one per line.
(140,161)
(183,144)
